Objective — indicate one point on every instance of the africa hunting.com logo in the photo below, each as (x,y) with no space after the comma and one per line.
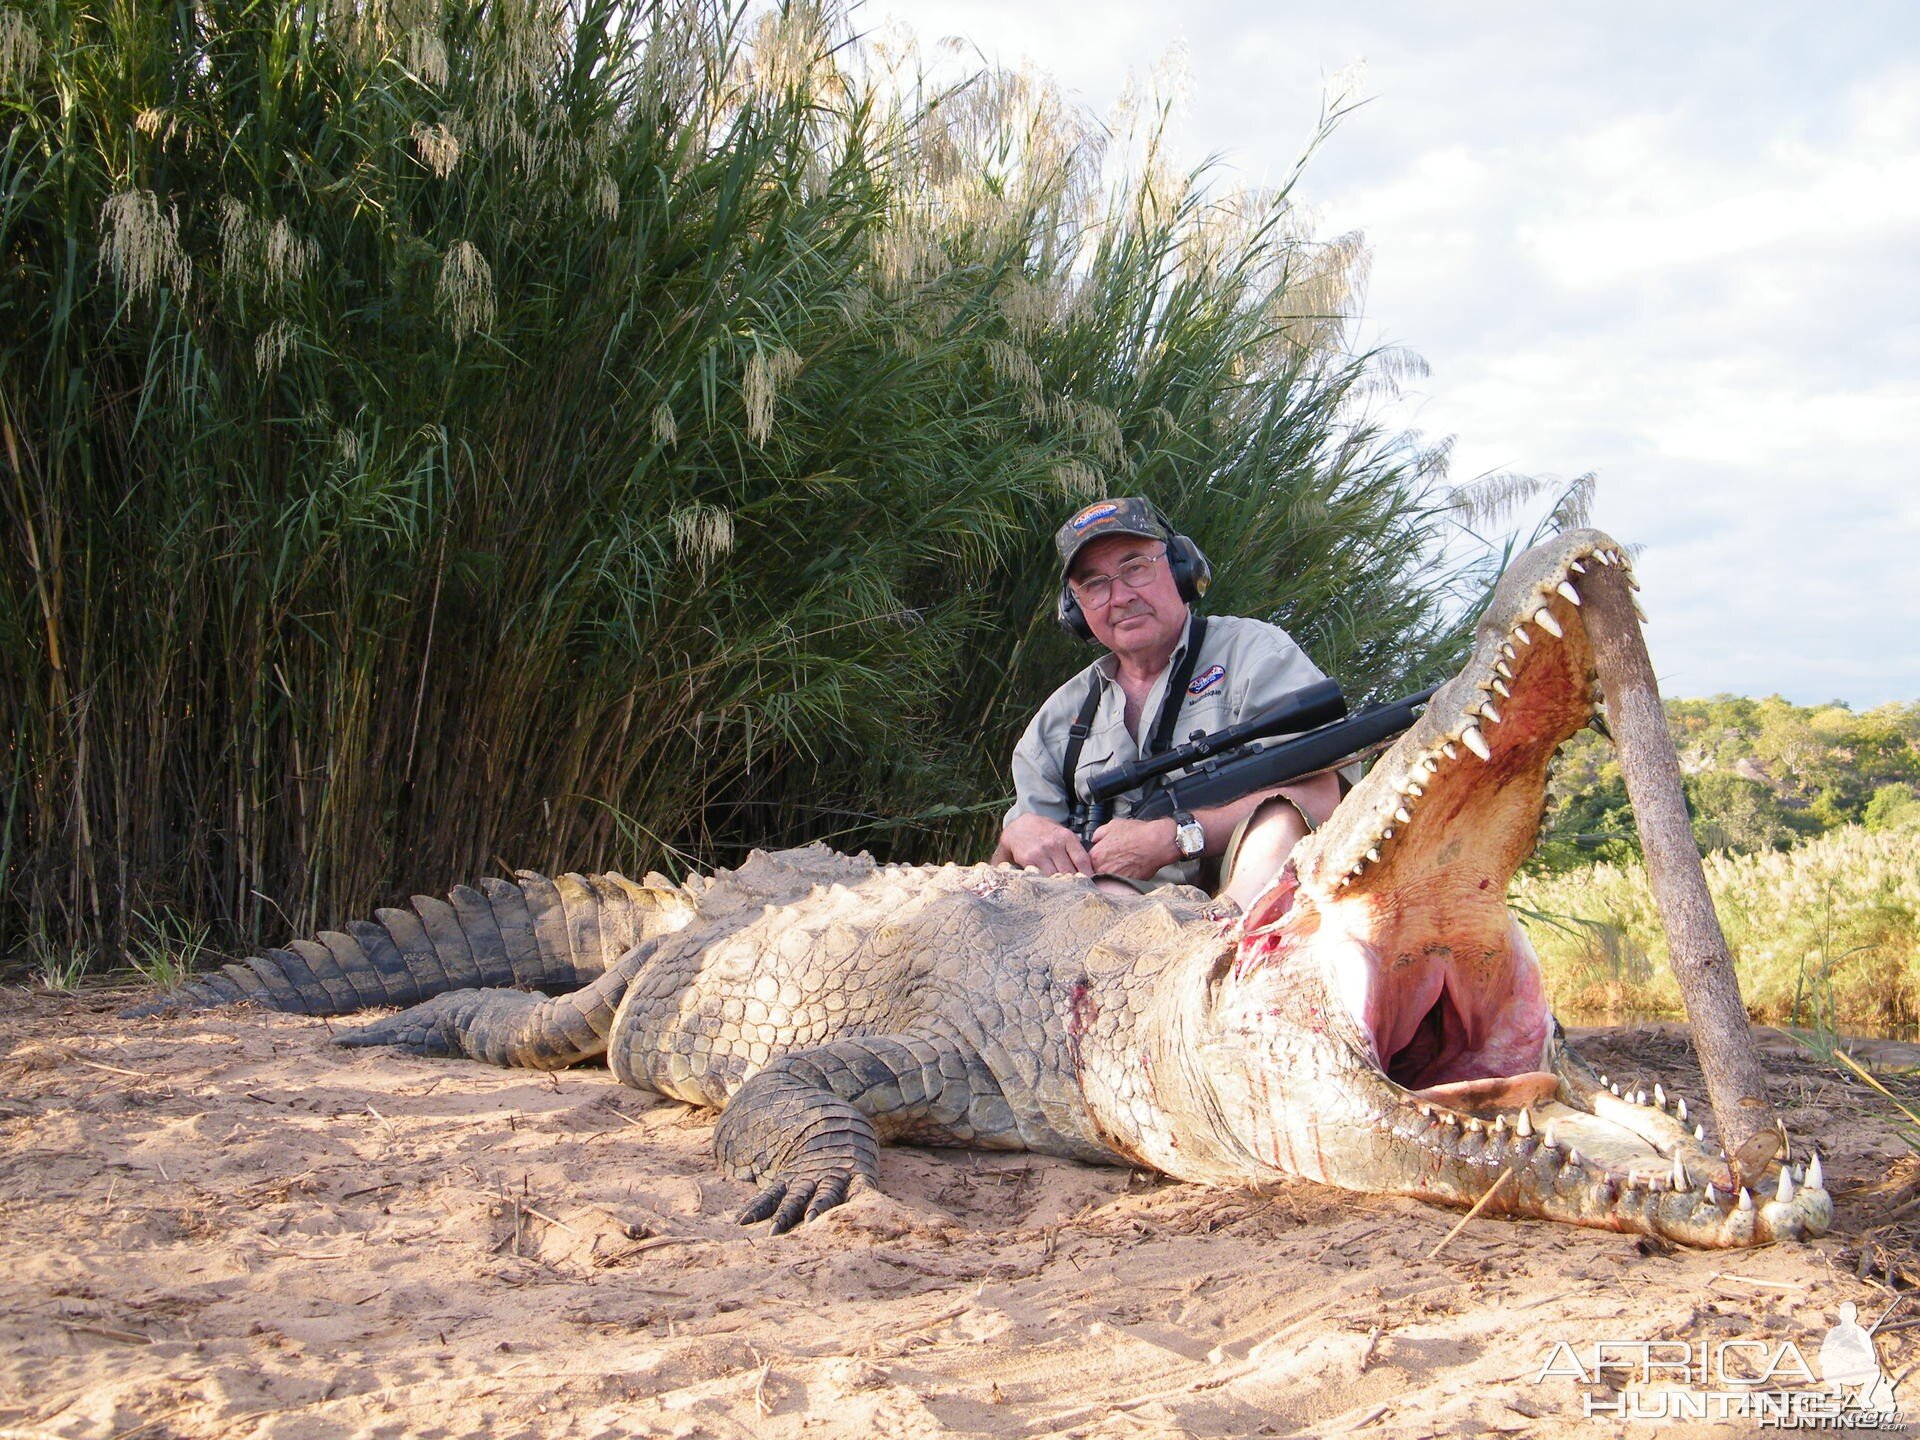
(1768,1383)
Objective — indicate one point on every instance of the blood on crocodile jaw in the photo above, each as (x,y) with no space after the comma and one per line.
(1395,916)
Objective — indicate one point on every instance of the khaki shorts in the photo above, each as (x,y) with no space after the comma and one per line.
(1213,874)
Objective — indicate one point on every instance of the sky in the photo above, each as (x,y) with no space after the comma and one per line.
(1674,245)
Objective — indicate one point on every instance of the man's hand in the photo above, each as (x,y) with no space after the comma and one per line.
(1046,844)
(1134,848)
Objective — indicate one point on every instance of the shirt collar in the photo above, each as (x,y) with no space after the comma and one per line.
(1108,665)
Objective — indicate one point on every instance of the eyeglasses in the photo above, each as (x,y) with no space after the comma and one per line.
(1136,574)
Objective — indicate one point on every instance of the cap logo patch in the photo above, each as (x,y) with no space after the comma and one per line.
(1094,514)
(1207,679)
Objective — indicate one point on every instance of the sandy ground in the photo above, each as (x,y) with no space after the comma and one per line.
(224,1226)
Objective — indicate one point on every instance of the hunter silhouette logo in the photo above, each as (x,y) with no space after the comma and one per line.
(1848,1361)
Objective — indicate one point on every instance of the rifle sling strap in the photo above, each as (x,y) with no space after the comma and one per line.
(1162,732)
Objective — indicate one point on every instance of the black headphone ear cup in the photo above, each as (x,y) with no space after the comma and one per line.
(1072,619)
(1188,564)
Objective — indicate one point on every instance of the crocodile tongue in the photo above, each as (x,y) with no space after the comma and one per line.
(1511,1092)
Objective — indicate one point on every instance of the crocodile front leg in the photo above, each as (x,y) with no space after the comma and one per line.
(811,1122)
(515,1028)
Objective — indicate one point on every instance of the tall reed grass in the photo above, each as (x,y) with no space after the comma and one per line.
(1826,934)
(442,434)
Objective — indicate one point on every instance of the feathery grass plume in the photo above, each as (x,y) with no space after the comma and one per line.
(465,290)
(767,371)
(427,55)
(605,192)
(701,534)
(437,146)
(286,257)
(241,239)
(19,47)
(140,245)
(273,345)
(665,430)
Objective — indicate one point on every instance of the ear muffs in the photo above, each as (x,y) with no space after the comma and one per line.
(1186,562)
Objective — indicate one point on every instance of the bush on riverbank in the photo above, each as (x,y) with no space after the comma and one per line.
(445,435)
(1827,933)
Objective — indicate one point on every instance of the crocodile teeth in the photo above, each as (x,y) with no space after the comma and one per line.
(1522,634)
(1746,1199)
(1403,815)
(1476,742)
(1615,1087)
(1503,670)
(1387,834)
(1604,1082)
(1572,595)
(1523,1126)
(1507,652)
(1680,1180)
(1412,788)
(1500,686)
(1639,610)
(1659,1095)
(1700,1134)
(1785,1192)
(1816,1177)
(1547,623)
(1680,1111)
(1451,752)
(1573,1156)
(1713,1193)
(1488,712)
(1373,856)
(1639,1097)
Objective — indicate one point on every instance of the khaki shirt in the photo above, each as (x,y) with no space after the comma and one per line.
(1244,666)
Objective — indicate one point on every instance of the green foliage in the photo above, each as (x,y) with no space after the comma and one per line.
(1827,932)
(1760,775)
(447,434)
(1892,807)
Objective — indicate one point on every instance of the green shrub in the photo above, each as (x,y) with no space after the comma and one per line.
(1827,931)
(440,435)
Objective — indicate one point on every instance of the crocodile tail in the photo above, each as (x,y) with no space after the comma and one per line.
(531,932)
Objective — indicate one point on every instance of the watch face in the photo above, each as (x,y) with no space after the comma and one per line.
(1190,839)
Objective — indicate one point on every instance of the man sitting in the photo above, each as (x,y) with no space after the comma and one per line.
(1128,581)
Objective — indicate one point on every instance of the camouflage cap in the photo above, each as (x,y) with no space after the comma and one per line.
(1125,515)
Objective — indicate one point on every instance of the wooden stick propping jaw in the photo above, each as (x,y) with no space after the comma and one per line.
(1702,963)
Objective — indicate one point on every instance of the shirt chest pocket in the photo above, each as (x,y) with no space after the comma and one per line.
(1095,760)
(1205,712)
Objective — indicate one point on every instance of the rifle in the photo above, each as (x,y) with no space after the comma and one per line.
(1226,764)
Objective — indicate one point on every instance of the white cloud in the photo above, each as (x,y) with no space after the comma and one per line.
(1693,278)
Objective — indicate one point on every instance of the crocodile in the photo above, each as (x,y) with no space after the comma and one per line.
(1376,1021)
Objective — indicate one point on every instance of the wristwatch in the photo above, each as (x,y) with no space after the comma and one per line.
(1188,836)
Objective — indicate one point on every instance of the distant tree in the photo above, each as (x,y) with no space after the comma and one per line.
(1893,807)
(1731,812)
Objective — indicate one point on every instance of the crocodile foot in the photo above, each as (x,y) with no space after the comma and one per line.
(791,1199)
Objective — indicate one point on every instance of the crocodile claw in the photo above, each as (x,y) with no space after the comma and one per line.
(432,1029)
(791,1199)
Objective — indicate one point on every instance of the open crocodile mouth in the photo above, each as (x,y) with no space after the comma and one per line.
(1401,902)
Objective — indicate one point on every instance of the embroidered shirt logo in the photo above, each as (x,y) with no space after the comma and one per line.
(1094,514)
(1207,679)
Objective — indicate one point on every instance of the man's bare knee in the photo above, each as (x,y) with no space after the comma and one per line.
(1260,847)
